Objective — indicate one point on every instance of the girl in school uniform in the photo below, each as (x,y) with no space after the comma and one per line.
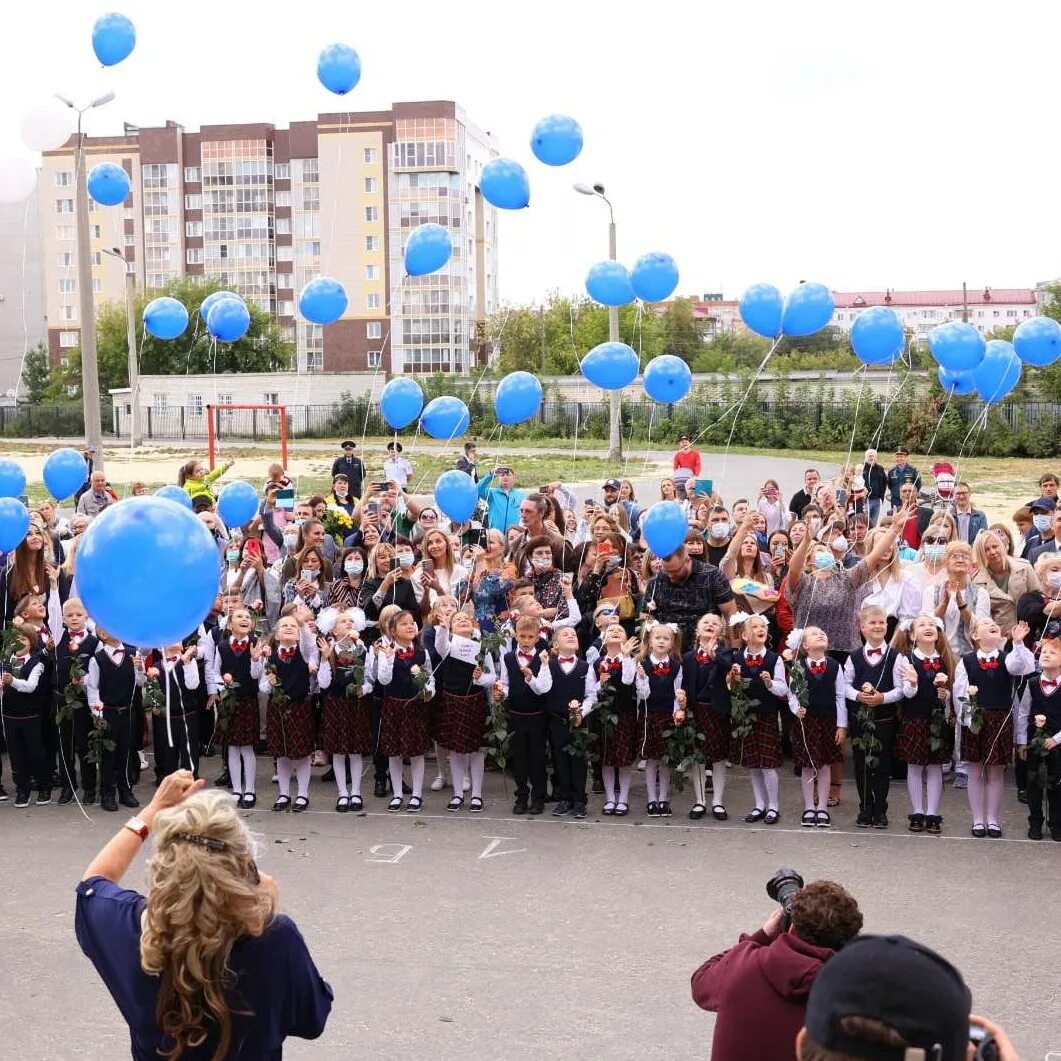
(290,663)
(438,617)
(660,694)
(927,679)
(984,681)
(616,687)
(175,739)
(403,674)
(698,677)
(818,738)
(234,662)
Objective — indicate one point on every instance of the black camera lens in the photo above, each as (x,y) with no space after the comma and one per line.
(782,887)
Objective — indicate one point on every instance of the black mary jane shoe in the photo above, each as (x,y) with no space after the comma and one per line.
(395,803)
(994,831)
(652,809)
(356,804)
(720,813)
(301,804)
(979,832)
(476,805)
(248,801)
(282,803)
(809,819)
(608,809)
(917,823)
(342,804)
(416,805)
(754,816)
(622,810)
(664,809)
(454,804)
(772,817)
(698,812)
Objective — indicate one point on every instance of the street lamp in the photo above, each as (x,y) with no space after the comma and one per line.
(615,435)
(89,368)
(135,436)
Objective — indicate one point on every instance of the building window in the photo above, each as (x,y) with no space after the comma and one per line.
(1011,313)
(156,280)
(68,340)
(282,171)
(283,199)
(68,313)
(372,301)
(371,213)
(371,272)
(371,184)
(372,243)
(64,231)
(309,249)
(195,404)
(194,256)
(66,260)
(193,228)
(271,398)
(97,286)
(996,313)
(67,286)
(310,170)
(192,174)
(284,280)
(283,226)
(161,402)
(97,257)
(311,198)
(286,308)
(96,231)
(130,239)
(64,206)
(287,333)
(193,202)
(285,254)
(63,178)
(374,330)
(375,358)
(309,225)
(371,155)
(314,360)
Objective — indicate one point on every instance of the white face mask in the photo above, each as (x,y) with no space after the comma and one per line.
(541,565)
(353,567)
(405,560)
(1053,579)
(1041,523)
(840,544)
(718,530)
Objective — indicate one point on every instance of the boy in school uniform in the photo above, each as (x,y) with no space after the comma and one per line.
(22,689)
(1040,714)
(76,643)
(177,673)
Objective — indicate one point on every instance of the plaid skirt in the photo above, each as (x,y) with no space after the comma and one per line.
(462,722)
(912,744)
(653,724)
(815,744)
(289,730)
(244,726)
(404,728)
(347,726)
(761,749)
(715,728)
(993,745)
(622,748)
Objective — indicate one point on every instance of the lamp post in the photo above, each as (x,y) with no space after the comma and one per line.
(135,436)
(89,368)
(615,434)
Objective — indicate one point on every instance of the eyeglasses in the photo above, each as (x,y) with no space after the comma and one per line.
(428,517)
(936,541)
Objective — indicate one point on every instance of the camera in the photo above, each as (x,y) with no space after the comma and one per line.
(986,1048)
(782,888)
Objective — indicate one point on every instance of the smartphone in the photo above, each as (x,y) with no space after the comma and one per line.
(382,487)
(428,567)
(778,551)
(371,507)
(286,498)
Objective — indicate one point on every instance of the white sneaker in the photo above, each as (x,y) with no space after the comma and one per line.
(438,784)
(467,786)
(143,760)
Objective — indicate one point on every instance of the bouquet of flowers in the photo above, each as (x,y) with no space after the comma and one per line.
(98,740)
(350,661)
(337,523)
(497,733)
(74,693)
(154,697)
(581,738)
(226,703)
(742,706)
(1038,750)
(277,697)
(683,747)
(421,676)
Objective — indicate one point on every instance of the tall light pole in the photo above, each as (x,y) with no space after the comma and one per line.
(615,434)
(135,436)
(89,368)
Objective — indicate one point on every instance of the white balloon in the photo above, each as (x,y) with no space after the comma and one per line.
(18,178)
(48,125)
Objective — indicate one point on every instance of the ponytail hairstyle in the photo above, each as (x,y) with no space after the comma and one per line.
(204,894)
(187,472)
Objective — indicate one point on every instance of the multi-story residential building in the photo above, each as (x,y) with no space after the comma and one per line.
(22,324)
(263,210)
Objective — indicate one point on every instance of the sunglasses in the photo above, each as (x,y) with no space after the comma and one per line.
(607,612)
(937,541)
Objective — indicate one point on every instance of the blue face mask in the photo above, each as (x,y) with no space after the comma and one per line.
(934,553)
(1041,523)
(824,562)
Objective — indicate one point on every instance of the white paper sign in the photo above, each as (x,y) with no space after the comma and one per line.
(464,649)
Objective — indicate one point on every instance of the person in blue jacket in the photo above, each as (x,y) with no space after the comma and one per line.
(502,500)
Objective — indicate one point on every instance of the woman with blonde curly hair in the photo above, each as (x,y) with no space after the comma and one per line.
(203,966)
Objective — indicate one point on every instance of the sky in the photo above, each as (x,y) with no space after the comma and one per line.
(860,144)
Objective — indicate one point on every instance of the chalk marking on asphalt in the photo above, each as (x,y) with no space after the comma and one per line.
(491,850)
(389,859)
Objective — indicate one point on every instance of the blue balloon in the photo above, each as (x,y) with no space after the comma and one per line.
(956,383)
(176,494)
(611,366)
(956,345)
(237,503)
(108,184)
(998,373)
(228,320)
(212,299)
(167,560)
(400,402)
(518,398)
(165,318)
(504,184)
(1038,341)
(556,140)
(339,68)
(761,307)
(445,418)
(113,38)
(877,336)
(808,309)
(14,523)
(323,301)
(65,471)
(609,284)
(664,527)
(456,495)
(13,479)
(427,249)
(667,378)
(654,277)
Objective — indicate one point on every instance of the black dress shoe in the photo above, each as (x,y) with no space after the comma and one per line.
(380,788)
(979,831)
(537,807)
(519,807)
(1055,834)
(127,799)
(224,781)
(1035,832)
(66,796)
(88,798)
(108,802)
(881,821)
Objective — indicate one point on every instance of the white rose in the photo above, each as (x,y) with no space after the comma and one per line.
(973,690)
(941,680)
(414,669)
(866,687)
(1040,721)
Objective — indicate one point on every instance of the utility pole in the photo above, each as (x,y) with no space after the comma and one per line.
(135,432)
(541,326)
(965,303)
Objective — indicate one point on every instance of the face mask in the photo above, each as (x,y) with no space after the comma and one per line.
(612,563)
(405,560)
(718,530)
(824,562)
(353,567)
(934,553)
(814,523)
(232,555)
(1041,523)
(541,565)
(840,544)
(1053,579)
(290,541)
(309,576)
(298,522)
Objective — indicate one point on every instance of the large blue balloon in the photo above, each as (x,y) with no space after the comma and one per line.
(14,523)
(108,184)
(1038,341)
(400,401)
(556,140)
(518,398)
(113,38)
(956,383)
(176,494)
(877,336)
(609,284)
(13,479)
(427,249)
(65,471)
(228,320)
(956,345)
(147,571)
(237,503)
(998,373)
(654,277)
(808,308)
(445,417)
(212,299)
(339,68)
(667,378)
(456,495)
(165,318)
(611,366)
(323,301)
(664,527)
(504,183)
(761,307)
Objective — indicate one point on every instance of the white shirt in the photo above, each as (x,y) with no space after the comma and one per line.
(589,690)
(397,470)
(840,689)
(1020,735)
(898,662)
(898,597)
(1019,661)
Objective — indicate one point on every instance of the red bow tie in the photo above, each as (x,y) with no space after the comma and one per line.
(817,666)
(566,659)
(404,653)
(930,664)
(1048,683)
(172,659)
(527,657)
(287,654)
(873,651)
(702,657)
(117,652)
(661,669)
(989,664)
(238,644)
(754,661)
(611,666)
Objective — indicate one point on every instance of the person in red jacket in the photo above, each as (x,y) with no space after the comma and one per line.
(759,988)
(686,464)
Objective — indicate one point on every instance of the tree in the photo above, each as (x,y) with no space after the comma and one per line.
(683,334)
(36,373)
(1048,380)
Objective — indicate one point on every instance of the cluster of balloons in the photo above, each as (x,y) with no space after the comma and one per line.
(614,365)
(65,471)
(653,278)
(803,311)
(224,313)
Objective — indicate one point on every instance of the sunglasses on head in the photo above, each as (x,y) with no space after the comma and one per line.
(937,541)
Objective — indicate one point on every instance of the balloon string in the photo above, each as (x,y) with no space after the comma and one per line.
(978,425)
(879,433)
(854,423)
(939,421)
(740,406)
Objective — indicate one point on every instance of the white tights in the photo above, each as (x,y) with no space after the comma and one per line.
(339,762)
(932,776)
(242,763)
(764,788)
(657,781)
(617,775)
(461,764)
(301,767)
(985,793)
(416,767)
(807,779)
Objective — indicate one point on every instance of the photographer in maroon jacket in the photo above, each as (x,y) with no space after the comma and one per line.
(759,988)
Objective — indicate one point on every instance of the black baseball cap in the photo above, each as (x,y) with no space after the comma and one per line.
(612,484)
(1043,504)
(900,983)
(352,445)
